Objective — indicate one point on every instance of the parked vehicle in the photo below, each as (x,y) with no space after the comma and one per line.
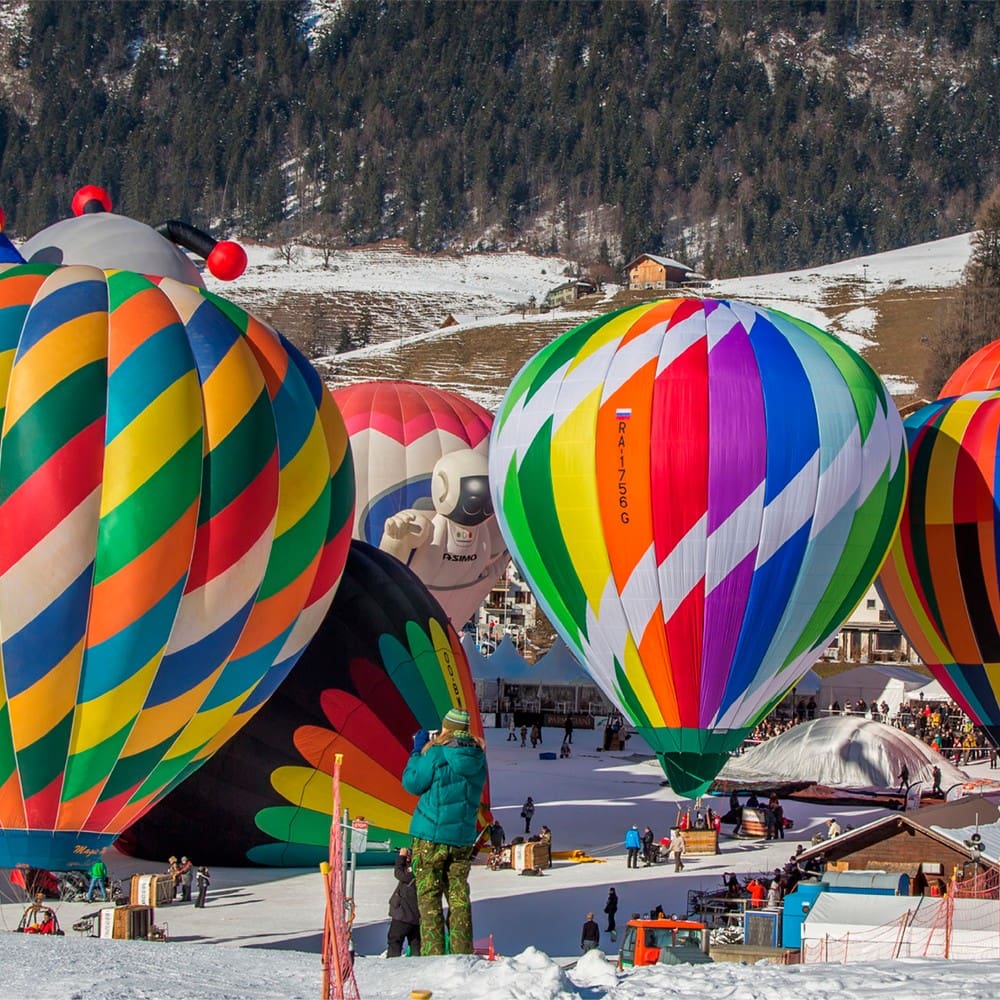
(667,942)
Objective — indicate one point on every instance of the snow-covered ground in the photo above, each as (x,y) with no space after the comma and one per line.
(259,936)
(504,280)
(471,286)
(487,290)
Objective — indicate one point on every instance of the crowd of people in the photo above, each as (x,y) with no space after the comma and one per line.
(942,725)
(533,733)
(447,772)
(768,890)
(644,846)
(184,875)
(771,813)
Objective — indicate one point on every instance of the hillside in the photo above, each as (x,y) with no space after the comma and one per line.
(883,305)
(740,137)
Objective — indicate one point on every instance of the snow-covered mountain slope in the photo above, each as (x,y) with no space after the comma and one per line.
(408,296)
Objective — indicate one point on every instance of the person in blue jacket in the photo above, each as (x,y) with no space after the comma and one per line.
(448,771)
(632,844)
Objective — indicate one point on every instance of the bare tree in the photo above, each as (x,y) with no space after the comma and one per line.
(288,253)
(984,262)
(971,322)
(326,245)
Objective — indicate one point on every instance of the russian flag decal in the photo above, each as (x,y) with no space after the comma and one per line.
(623,412)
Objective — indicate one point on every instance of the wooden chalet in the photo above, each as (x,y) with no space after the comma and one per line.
(933,837)
(569,291)
(651,271)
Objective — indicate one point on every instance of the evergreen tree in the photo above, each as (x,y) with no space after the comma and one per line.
(974,320)
(984,262)
(467,121)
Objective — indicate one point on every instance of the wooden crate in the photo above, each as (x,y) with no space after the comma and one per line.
(539,855)
(700,841)
(753,824)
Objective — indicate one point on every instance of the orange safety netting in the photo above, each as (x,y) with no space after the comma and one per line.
(338,967)
(963,924)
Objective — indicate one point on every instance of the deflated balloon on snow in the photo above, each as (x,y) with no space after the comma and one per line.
(175,501)
(385,663)
(699,493)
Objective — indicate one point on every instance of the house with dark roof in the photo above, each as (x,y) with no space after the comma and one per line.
(569,291)
(937,838)
(652,271)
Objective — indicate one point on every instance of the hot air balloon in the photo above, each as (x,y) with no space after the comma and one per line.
(175,503)
(940,580)
(977,372)
(698,492)
(420,462)
(385,663)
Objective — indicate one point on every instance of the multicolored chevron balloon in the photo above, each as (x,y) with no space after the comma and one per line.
(941,580)
(385,662)
(176,497)
(699,493)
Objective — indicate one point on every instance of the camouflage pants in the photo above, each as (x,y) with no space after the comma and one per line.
(443,870)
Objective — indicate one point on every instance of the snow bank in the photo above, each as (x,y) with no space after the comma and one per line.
(70,969)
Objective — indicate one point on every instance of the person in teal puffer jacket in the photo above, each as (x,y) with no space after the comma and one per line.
(448,772)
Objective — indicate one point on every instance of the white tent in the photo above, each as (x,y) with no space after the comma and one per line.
(841,752)
(879,682)
(808,685)
(509,664)
(933,691)
(972,929)
(560,666)
(855,927)
(477,662)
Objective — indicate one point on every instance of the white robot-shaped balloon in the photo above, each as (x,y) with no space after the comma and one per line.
(457,543)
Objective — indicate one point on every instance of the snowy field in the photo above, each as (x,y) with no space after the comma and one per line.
(259,936)
(485,291)
(501,281)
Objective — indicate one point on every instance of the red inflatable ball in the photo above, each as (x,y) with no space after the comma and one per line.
(227,261)
(91,198)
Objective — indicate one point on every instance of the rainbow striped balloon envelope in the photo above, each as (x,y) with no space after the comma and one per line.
(940,580)
(699,493)
(176,495)
(385,662)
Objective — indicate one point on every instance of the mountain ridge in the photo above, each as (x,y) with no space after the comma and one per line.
(738,137)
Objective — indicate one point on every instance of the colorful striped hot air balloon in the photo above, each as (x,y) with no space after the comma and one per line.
(699,492)
(420,463)
(385,663)
(977,372)
(941,581)
(175,503)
